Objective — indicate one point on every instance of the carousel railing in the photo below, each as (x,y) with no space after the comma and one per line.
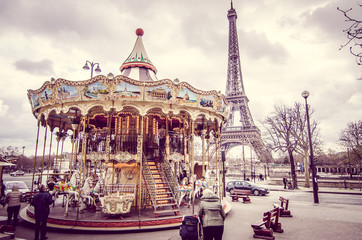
(118,187)
(149,180)
(97,142)
(124,143)
(171,179)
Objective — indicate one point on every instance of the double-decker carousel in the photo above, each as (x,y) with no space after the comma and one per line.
(133,138)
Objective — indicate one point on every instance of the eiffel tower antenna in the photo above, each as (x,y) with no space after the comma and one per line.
(246,132)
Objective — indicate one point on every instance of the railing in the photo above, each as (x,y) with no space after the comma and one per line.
(238,128)
(124,143)
(117,187)
(97,142)
(171,179)
(149,180)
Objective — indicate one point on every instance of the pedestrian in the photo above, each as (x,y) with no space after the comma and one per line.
(13,199)
(41,202)
(261,177)
(285,181)
(162,140)
(212,216)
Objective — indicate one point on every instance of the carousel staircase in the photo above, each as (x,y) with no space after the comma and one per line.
(162,198)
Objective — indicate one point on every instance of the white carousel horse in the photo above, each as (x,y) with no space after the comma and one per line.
(68,190)
(185,191)
(90,192)
(200,185)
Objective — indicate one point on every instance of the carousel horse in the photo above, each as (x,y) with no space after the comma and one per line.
(68,190)
(185,190)
(200,185)
(90,192)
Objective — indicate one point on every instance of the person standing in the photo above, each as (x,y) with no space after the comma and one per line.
(162,139)
(212,216)
(285,181)
(13,199)
(41,202)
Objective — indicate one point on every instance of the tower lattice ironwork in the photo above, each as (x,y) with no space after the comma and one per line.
(246,133)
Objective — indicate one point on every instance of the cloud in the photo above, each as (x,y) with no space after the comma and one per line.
(3,108)
(44,67)
(259,47)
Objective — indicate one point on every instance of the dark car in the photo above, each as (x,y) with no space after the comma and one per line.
(17,173)
(244,185)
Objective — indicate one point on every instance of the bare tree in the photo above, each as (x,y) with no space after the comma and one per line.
(351,138)
(281,127)
(9,151)
(354,35)
(301,135)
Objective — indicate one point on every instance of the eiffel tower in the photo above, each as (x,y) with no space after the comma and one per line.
(246,133)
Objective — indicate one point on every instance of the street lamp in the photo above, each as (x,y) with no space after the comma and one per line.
(86,67)
(305,94)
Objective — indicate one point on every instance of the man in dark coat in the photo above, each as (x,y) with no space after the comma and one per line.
(41,202)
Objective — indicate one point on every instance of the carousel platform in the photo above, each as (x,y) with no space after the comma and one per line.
(96,220)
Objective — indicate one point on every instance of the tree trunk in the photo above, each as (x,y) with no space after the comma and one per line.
(292,169)
(306,170)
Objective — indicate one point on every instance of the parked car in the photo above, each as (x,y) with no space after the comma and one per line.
(17,173)
(21,185)
(244,185)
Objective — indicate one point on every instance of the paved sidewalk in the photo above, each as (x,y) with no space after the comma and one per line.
(302,188)
(309,221)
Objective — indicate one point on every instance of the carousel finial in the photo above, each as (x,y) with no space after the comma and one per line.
(139,32)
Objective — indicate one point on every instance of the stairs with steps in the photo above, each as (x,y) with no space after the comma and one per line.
(162,198)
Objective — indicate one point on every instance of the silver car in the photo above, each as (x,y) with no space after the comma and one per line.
(21,185)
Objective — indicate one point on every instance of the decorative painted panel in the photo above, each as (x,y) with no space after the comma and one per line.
(207,101)
(126,90)
(161,92)
(34,100)
(66,92)
(186,96)
(94,90)
(46,96)
(222,106)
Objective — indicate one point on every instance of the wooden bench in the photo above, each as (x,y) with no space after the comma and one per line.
(29,196)
(235,194)
(284,204)
(270,224)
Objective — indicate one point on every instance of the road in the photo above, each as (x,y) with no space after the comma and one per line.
(237,224)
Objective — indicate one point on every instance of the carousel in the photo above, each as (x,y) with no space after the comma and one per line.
(133,140)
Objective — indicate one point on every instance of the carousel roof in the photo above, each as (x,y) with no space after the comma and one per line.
(138,65)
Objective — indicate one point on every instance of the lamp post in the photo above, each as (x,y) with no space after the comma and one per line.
(305,95)
(92,65)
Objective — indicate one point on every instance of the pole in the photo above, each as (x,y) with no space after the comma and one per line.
(315,184)
(223,171)
(244,163)
(36,150)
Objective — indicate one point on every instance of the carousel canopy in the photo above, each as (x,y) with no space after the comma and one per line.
(138,65)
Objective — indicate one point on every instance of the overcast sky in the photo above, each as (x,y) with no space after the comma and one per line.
(286,47)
